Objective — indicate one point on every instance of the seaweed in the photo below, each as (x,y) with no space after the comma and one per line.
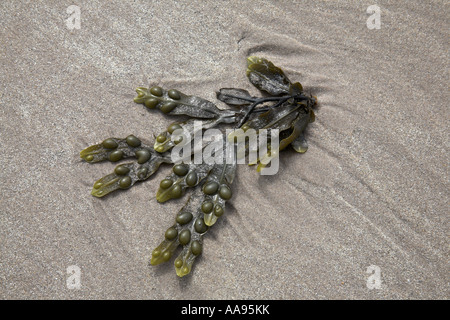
(285,111)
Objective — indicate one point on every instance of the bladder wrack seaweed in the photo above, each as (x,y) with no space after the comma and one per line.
(287,109)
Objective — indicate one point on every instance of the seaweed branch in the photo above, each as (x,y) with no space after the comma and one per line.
(288,110)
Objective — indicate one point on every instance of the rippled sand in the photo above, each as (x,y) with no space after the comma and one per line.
(372,190)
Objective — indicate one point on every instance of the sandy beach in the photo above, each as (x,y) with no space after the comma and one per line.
(367,201)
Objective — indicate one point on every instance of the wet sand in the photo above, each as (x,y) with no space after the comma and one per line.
(372,190)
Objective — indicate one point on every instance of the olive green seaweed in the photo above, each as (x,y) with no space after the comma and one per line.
(288,109)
